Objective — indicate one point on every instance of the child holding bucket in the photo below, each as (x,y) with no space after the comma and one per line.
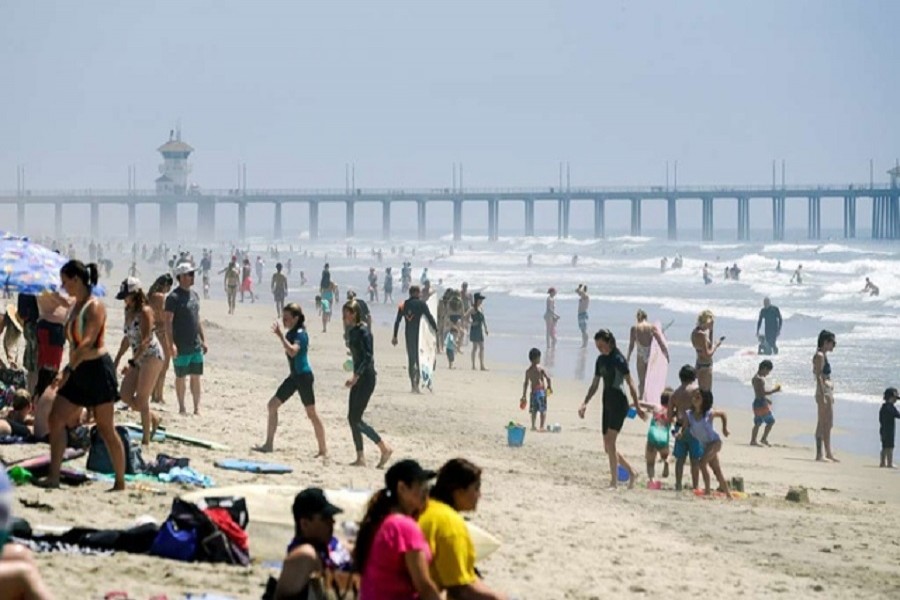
(658,439)
(536,376)
(700,423)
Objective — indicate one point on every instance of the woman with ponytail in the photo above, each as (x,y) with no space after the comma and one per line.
(391,554)
(89,380)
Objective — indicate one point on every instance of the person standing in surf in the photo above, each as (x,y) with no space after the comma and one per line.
(701,340)
(361,384)
(295,342)
(642,335)
(612,369)
(550,318)
(824,395)
(477,330)
(584,301)
(411,312)
(279,288)
(771,316)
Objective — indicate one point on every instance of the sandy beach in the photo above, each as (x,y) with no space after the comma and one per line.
(564,534)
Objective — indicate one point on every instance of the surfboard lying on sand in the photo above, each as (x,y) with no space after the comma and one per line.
(657,371)
(36,462)
(250,466)
(178,437)
(271,524)
(427,347)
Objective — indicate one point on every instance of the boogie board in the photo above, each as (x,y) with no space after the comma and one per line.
(271,523)
(171,435)
(657,371)
(427,347)
(250,466)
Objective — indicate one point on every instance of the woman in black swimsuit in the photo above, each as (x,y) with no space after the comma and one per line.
(612,368)
(824,395)
(477,330)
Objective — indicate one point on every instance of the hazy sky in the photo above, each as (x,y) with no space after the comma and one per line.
(404,89)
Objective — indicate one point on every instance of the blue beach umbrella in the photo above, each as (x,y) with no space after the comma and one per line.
(28,267)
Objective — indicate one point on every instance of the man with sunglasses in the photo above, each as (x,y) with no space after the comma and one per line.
(185,332)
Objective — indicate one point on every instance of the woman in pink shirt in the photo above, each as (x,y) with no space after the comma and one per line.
(391,553)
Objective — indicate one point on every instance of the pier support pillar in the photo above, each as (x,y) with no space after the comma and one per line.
(708,219)
(599,218)
(95,221)
(279,229)
(351,219)
(168,221)
(562,218)
(386,220)
(894,212)
(850,217)
(313,220)
(814,218)
(529,218)
(672,209)
(20,217)
(132,221)
(743,206)
(206,220)
(635,216)
(493,220)
(421,214)
(778,218)
(457,219)
(58,222)
(242,221)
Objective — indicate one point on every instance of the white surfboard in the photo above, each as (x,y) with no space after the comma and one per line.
(271,525)
(657,371)
(428,347)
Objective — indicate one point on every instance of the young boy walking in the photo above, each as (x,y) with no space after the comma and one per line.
(685,444)
(887,418)
(450,345)
(536,376)
(762,403)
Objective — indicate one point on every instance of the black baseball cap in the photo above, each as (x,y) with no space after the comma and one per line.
(890,393)
(312,501)
(408,471)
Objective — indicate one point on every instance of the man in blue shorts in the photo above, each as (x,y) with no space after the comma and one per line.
(184,329)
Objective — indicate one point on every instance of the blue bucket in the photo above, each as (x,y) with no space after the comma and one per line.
(623,473)
(515,436)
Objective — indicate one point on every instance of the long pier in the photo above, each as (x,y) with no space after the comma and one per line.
(884,198)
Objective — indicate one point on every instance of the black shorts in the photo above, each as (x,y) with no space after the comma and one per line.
(92,383)
(887,441)
(301,383)
(615,409)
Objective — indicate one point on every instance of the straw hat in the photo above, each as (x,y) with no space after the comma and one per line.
(13,315)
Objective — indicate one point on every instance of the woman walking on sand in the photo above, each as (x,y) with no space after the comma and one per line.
(612,369)
(147,357)
(477,330)
(824,395)
(89,380)
(550,318)
(156,297)
(361,384)
(291,332)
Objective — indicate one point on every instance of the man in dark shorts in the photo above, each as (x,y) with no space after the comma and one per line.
(411,311)
(184,329)
(771,316)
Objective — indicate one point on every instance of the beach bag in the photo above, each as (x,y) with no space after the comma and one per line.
(98,456)
(193,526)
(174,542)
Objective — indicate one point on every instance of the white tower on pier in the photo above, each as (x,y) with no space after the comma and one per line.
(174,171)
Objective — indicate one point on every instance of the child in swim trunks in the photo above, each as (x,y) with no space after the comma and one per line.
(658,438)
(762,403)
(536,376)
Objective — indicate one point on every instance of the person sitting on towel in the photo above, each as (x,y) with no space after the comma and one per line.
(305,563)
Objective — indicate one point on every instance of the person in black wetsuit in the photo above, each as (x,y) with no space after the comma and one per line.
(325,282)
(612,369)
(887,420)
(772,318)
(411,311)
(361,384)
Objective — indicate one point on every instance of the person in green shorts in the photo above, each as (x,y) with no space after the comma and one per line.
(185,334)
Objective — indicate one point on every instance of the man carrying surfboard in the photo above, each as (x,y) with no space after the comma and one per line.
(411,312)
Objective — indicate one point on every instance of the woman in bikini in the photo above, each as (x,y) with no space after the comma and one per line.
(156,296)
(550,318)
(701,339)
(147,358)
(477,330)
(824,395)
(642,335)
(89,380)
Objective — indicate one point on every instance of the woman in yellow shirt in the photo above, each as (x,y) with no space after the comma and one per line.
(457,489)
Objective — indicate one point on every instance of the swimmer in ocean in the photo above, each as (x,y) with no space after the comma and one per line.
(871,288)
